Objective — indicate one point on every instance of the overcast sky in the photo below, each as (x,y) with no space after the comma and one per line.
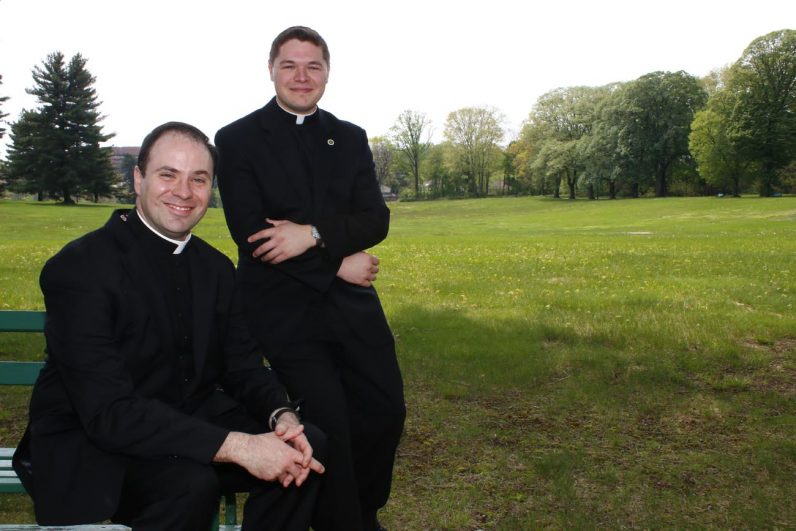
(204,62)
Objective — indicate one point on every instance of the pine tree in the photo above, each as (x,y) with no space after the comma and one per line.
(64,133)
(26,166)
(3,99)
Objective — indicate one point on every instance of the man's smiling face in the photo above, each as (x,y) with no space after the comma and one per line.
(174,189)
(299,73)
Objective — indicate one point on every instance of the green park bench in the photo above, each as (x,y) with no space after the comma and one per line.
(25,373)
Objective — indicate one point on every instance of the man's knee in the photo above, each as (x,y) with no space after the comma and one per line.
(199,483)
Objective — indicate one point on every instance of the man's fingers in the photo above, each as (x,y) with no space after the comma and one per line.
(317,466)
(286,480)
(260,235)
(287,432)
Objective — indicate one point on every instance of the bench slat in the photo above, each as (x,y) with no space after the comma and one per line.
(21,321)
(19,372)
(109,527)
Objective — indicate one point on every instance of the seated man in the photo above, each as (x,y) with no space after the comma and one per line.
(154,399)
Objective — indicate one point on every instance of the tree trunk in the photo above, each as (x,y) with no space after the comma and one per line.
(571,179)
(660,181)
(766,180)
(416,171)
(68,197)
(612,189)
(590,190)
(636,193)
(736,186)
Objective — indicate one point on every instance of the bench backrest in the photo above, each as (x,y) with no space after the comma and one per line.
(20,372)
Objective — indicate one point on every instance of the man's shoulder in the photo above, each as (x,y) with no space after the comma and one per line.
(244,125)
(333,122)
(94,250)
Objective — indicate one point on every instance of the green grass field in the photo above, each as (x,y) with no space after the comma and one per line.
(604,364)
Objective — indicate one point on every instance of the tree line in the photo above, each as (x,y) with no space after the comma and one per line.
(731,132)
(665,133)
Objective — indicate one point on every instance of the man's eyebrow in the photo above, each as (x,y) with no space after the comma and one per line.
(168,168)
(202,172)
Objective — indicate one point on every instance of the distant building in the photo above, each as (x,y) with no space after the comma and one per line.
(118,154)
(387,194)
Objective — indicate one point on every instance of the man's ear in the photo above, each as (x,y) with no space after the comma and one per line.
(137,178)
(271,70)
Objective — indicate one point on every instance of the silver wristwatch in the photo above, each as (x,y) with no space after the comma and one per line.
(316,235)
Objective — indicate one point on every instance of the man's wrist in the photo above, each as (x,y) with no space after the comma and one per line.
(273,420)
(230,448)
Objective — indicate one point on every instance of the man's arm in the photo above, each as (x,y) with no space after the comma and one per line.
(364,224)
(367,220)
(246,214)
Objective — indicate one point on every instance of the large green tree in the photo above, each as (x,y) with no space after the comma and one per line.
(383,155)
(715,147)
(474,133)
(564,119)
(764,118)
(410,136)
(653,122)
(67,141)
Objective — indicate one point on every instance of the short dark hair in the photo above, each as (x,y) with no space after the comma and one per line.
(179,128)
(303,34)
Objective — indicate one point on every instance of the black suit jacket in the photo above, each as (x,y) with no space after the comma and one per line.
(111,389)
(263,174)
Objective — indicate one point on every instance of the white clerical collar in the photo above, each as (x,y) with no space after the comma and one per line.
(180,244)
(299,117)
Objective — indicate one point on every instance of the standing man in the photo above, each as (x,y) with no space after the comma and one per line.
(154,398)
(302,202)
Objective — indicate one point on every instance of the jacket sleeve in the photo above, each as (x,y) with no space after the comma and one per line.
(81,332)
(366,221)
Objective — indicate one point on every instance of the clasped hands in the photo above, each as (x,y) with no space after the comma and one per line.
(286,240)
(283,455)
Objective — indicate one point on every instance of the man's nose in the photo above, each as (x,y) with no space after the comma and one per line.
(182,189)
(301,74)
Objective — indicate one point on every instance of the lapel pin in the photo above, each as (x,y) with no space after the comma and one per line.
(330,141)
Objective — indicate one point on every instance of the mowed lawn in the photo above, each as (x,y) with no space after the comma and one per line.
(568,364)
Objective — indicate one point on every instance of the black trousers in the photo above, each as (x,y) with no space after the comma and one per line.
(180,494)
(354,393)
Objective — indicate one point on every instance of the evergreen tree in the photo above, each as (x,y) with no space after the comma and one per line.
(3,99)
(65,133)
(25,170)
